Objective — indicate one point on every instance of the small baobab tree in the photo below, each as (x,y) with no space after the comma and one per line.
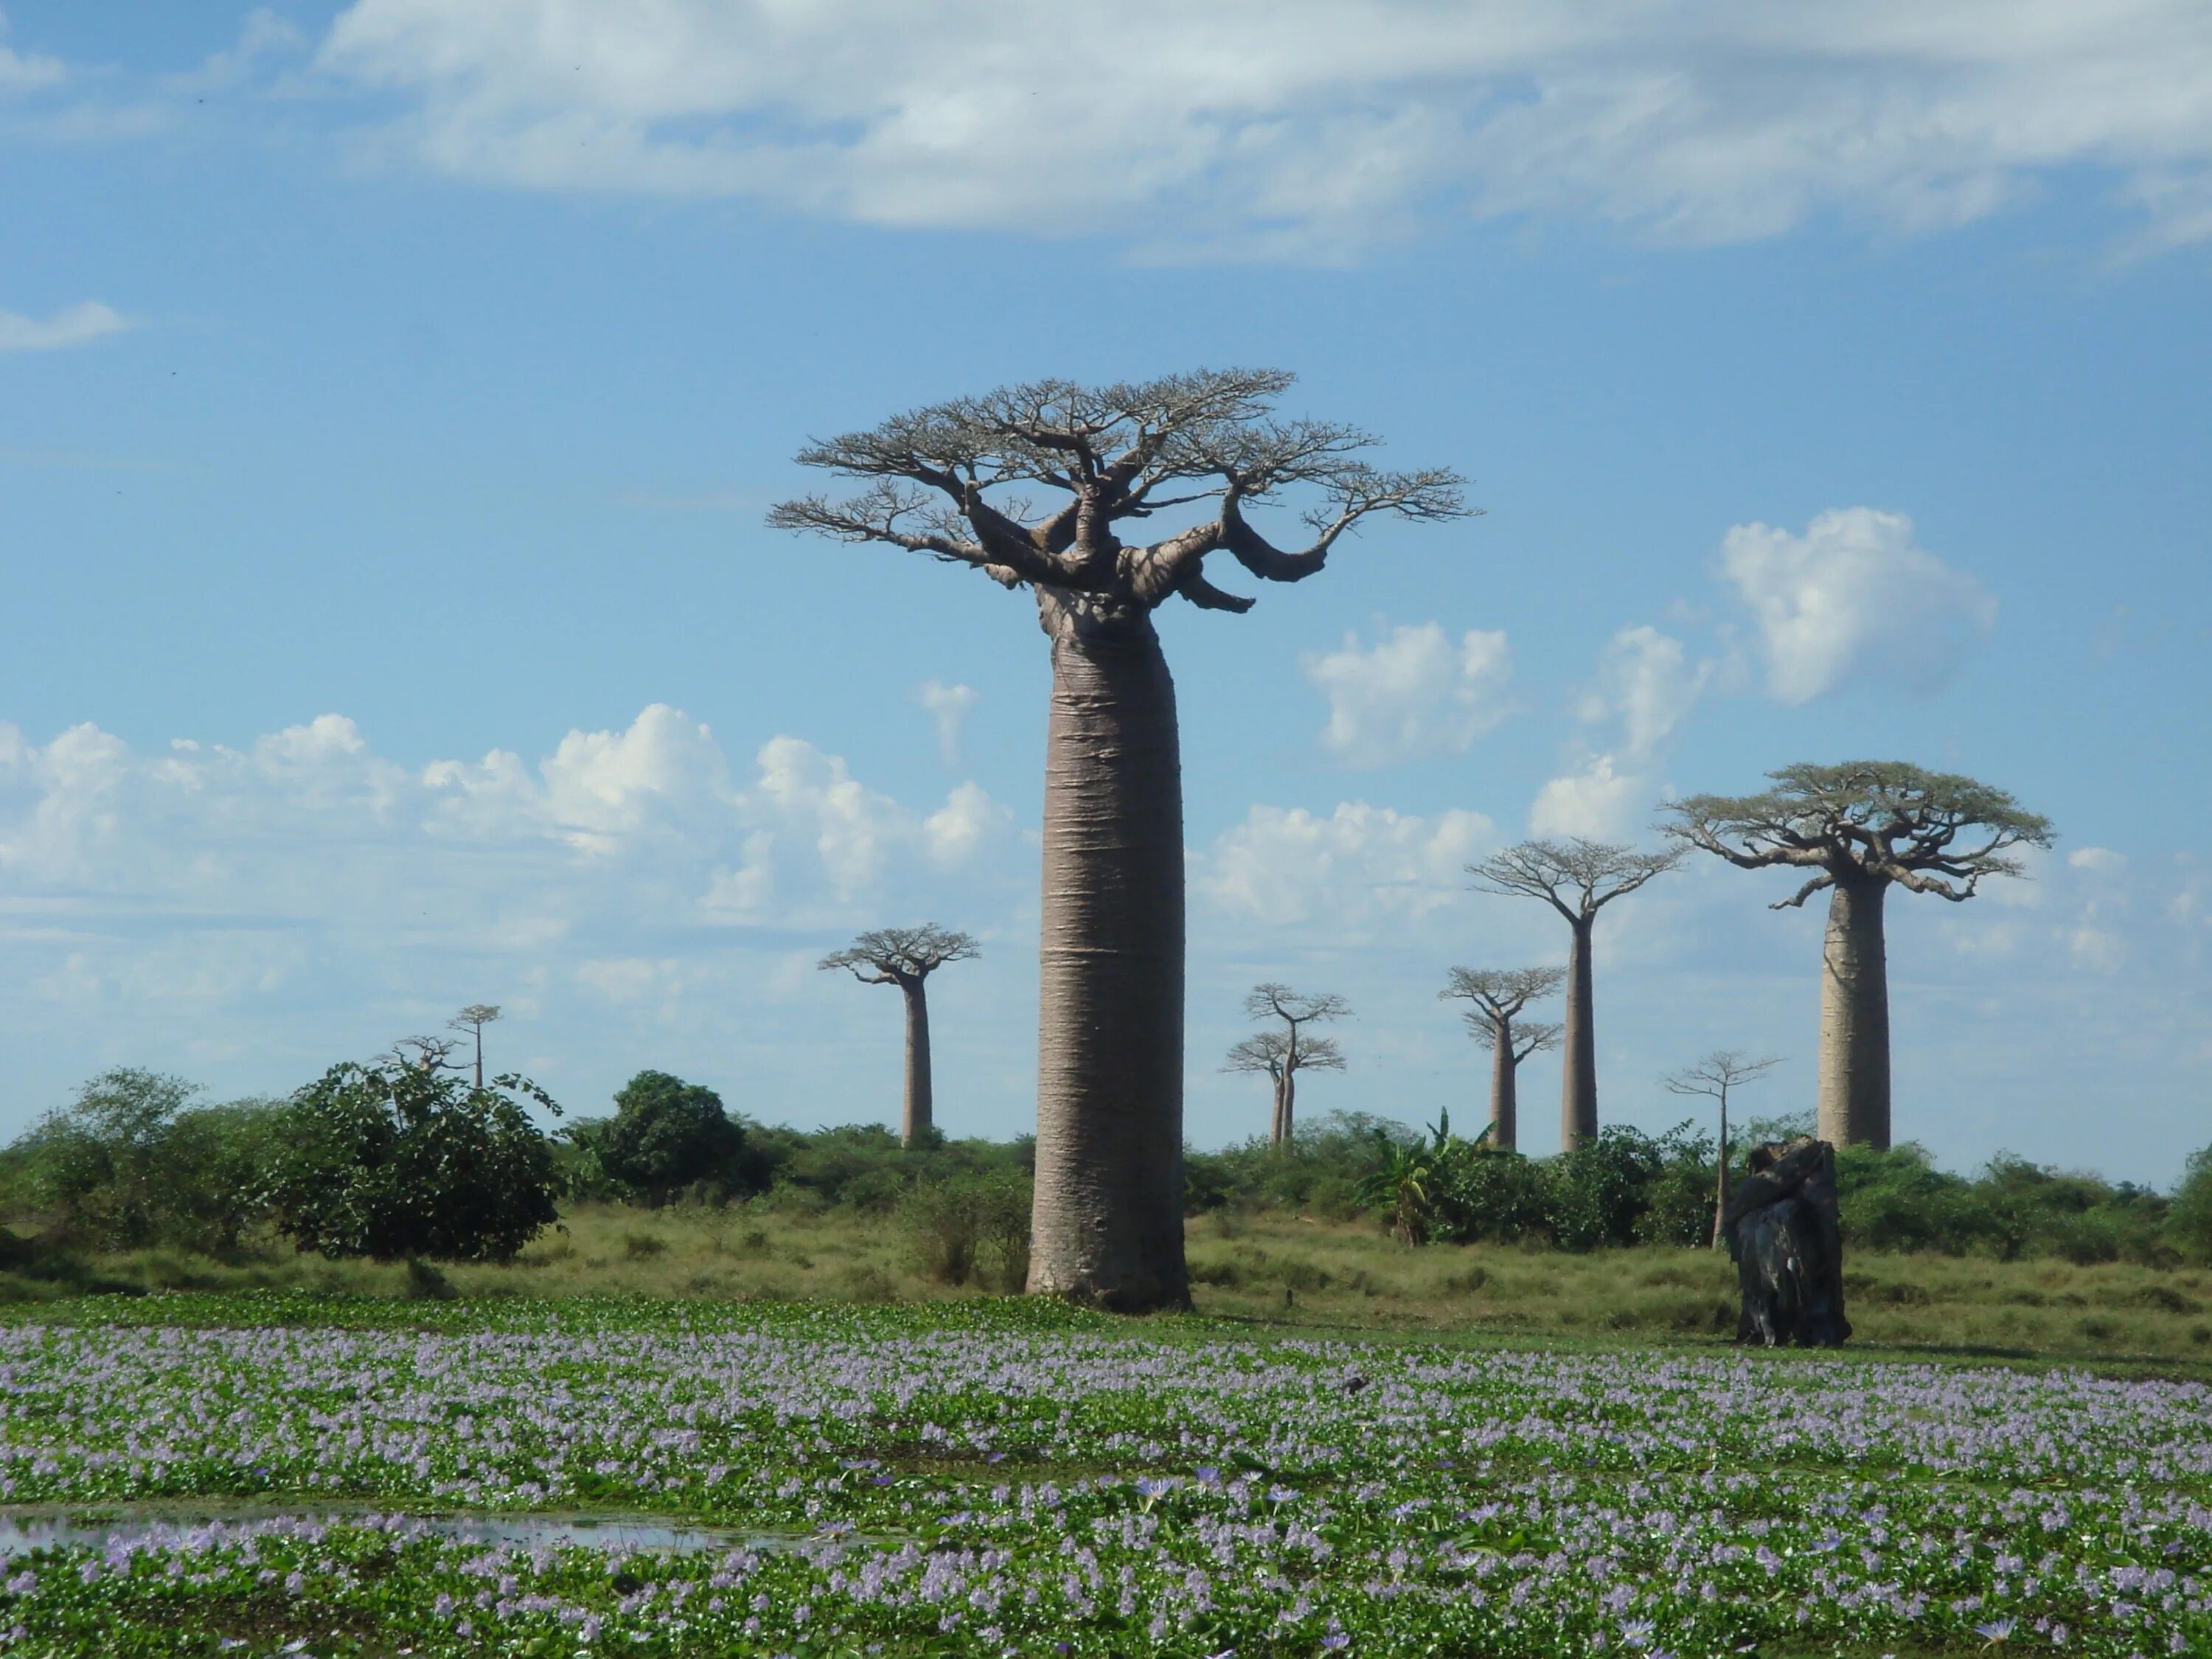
(954,482)
(1577,878)
(1714,1075)
(906,957)
(472,1020)
(1860,828)
(1497,995)
(1284,1054)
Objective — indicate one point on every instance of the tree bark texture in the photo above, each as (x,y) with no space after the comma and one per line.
(1854,1019)
(1286,1096)
(920,1116)
(1504,1104)
(1578,1046)
(1108,1224)
(1783,1231)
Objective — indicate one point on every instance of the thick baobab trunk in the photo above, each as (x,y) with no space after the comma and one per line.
(1578,1046)
(920,1113)
(1108,1224)
(1286,1096)
(1854,1019)
(1505,1102)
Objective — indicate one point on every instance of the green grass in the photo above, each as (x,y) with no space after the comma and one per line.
(1273,1271)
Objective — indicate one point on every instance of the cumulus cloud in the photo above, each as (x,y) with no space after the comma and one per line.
(1854,599)
(1644,688)
(1360,867)
(2102,860)
(948,707)
(308,832)
(73,326)
(1415,692)
(21,72)
(1310,127)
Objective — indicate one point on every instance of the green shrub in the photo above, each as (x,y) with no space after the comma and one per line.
(393,1160)
(973,1228)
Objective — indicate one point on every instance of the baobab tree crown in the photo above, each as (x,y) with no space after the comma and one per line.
(1575,876)
(899,955)
(1879,821)
(948,480)
(1271,1054)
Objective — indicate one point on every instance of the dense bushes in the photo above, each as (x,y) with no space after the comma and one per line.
(395,1160)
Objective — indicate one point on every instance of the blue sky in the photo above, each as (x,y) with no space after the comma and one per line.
(391,393)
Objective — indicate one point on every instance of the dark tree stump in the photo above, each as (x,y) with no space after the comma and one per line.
(1782,1230)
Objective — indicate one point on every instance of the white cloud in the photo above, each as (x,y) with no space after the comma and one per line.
(2102,860)
(22,73)
(1308,127)
(1411,694)
(1644,688)
(1854,599)
(949,705)
(71,326)
(309,828)
(1361,867)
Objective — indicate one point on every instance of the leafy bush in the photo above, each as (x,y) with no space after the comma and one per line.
(393,1160)
(130,1164)
(973,1227)
(2188,1222)
(668,1135)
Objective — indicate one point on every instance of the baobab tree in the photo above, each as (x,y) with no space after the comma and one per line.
(1577,878)
(1714,1075)
(1860,828)
(949,480)
(1283,1054)
(906,957)
(472,1020)
(1498,995)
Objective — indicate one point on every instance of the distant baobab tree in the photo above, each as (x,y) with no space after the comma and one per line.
(472,1019)
(1714,1075)
(949,481)
(1860,827)
(1577,878)
(1283,1054)
(906,957)
(1498,995)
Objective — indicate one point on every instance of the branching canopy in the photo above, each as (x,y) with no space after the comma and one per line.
(1931,832)
(1529,1036)
(1576,877)
(1276,1001)
(474,1017)
(1719,1071)
(953,480)
(902,956)
(1274,1052)
(1501,993)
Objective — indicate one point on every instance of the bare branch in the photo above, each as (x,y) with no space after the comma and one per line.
(1719,1071)
(902,956)
(1576,877)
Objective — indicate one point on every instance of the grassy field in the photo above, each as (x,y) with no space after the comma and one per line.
(1294,1273)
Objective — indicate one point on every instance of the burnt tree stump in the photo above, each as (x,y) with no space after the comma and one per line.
(1782,1230)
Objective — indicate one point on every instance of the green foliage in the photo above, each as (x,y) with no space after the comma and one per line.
(391,1160)
(667,1135)
(131,1164)
(973,1227)
(2189,1225)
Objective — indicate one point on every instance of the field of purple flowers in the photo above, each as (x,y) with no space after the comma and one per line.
(993,1480)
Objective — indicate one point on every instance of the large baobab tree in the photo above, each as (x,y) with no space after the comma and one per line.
(1498,995)
(1577,878)
(906,957)
(1714,1076)
(1860,828)
(1283,1054)
(951,480)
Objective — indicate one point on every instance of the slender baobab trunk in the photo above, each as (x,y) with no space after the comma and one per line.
(1286,1096)
(1108,1224)
(1854,1019)
(1504,1102)
(1720,1179)
(920,1113)
(1578,1047)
